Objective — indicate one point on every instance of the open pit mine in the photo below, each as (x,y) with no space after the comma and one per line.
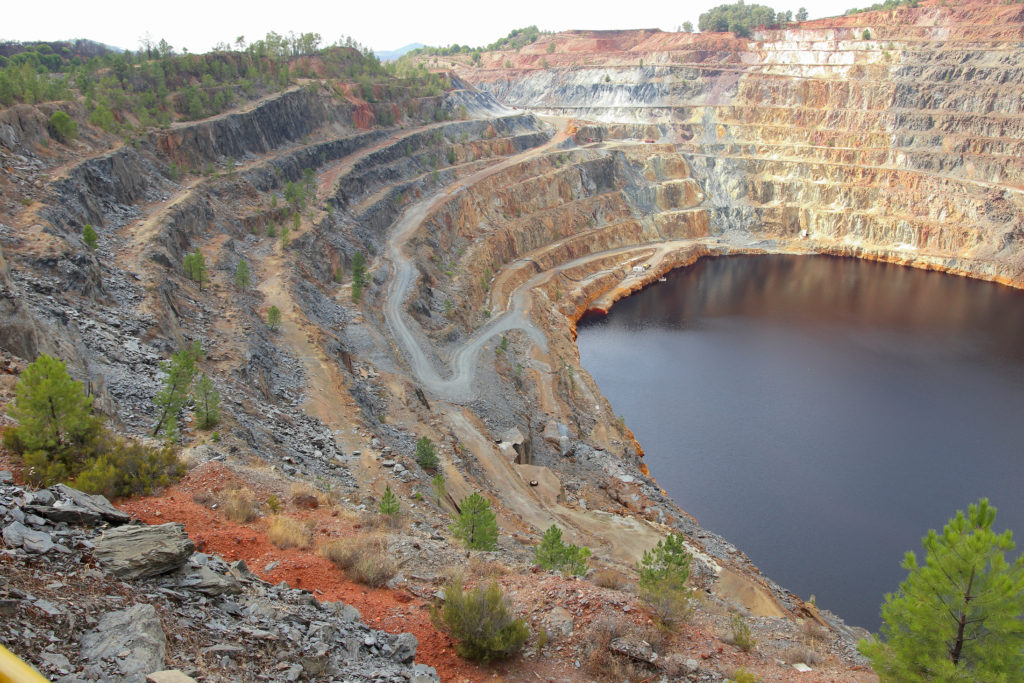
(540,184)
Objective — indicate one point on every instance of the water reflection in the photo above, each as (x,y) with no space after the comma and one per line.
(822,413)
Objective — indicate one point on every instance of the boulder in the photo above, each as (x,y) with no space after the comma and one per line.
(17,535)
(169,676)
(98,504)
(14,534)
(132,639)
(405,648)
(209,582)
(639,650)
(66,512)
(143,551)
(561,622)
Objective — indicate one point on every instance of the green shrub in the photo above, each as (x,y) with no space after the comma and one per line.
(552,553)
(741,637)
(426,453)
(476,526)
(128,468)
(481,621)
(741,675)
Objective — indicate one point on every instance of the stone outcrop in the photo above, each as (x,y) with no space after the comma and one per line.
(133,639)
(207,618)
(133,552)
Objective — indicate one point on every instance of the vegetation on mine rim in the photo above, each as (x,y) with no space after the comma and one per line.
(155,86)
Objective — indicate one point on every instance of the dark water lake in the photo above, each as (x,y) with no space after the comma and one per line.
(822,413)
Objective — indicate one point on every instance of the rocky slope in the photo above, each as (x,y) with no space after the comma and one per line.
(488,231)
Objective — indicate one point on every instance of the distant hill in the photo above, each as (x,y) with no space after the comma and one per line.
(388,55)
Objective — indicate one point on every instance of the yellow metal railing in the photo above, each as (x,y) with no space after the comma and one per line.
(13,670)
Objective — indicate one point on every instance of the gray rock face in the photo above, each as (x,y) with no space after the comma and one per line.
(133,639)
(405,648)
(14,534)
(96,504)
(143,551)
(206,581)
(17,535)
(68,513)
(639,650)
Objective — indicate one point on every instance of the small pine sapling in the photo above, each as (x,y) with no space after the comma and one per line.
(389,505)
(476,525)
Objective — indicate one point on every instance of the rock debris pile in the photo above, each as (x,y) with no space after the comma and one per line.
(88,595)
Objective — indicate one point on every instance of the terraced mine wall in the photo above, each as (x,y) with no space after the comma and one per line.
(902,143)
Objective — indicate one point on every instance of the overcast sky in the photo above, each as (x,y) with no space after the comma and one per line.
(198,25)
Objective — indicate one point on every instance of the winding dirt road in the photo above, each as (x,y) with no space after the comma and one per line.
(457,387)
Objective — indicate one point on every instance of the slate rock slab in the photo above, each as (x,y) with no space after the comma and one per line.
(98,504)
(132,552)
(17,535)
(66,512)
(132,640)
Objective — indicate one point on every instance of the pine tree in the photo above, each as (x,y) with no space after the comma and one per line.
(179,372)
(426,453)
(552,553)
(242,276)
(958,616)
(358,275)
(668,560)
(476,526)
(207,402)
(52,410)
(89,237)
(389,503)
(664,571)
(194,266)
(274,317)
(438,485)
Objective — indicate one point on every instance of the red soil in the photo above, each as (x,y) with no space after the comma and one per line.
(392,611)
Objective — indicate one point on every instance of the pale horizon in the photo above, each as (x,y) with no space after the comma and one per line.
(199,26)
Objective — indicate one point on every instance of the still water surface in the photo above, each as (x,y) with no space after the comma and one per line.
(822,413)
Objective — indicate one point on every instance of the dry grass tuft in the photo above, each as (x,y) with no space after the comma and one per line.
(609,578)
(205,498)
(481,566)
(813,631)
(363,558)
(801,653)
(373,519)
(239,505)
(288,532)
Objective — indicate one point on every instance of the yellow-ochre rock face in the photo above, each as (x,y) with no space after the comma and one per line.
(894,135)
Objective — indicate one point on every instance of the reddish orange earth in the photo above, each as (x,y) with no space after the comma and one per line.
(387,610)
